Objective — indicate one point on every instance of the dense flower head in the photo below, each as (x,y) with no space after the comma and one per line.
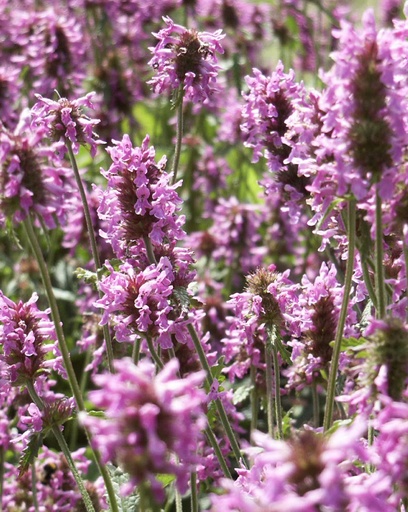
(25,335)
(316,315)
(363,129)
(143,302)
(266,303)
(29,183)
(66,122)
(186,58)
(150,420)
(49,44)
(304,474)
(139,200)
(54,484)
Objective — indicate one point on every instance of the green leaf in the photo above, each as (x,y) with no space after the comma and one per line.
(165,479)
(242,392)
(86,275)
(30,452)
(119,478)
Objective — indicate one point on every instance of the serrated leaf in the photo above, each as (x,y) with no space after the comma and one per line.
(30,452)
(86,275)
(241,393)
(119,478)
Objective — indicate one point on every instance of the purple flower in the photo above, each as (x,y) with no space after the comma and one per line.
(143,303)
(306,473)
(139,200)
(150,421)
(65,121)
(28,182)
(316,315)
(25,335)
(186,58)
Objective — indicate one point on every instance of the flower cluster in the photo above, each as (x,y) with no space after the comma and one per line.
(186,58)
(152,424)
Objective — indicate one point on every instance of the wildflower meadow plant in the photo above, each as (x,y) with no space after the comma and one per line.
(203,282)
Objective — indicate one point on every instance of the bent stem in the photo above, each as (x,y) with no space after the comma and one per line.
(179,133)
(331,385)
(72,380)
(94,247)
(65,450)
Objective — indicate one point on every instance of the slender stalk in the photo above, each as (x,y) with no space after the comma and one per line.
(316,409)
(179,133)
(379,257)
(254,400)
(153,353)
(149,250)
(194,496)
(218,404)
(65,450)
(82,386)
(136,350)
(72,380)
(218,453)
(94,247)
(34,487)
(179,505)
(62,344)
(368,283)
(278,403)
(270,402)
(331,386)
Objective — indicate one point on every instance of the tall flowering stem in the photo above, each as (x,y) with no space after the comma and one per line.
(269,390)
(73,382)
(379,264)
(331,387)
(94,247)
(179,134)
(218,404)
(275,356)
(64,448)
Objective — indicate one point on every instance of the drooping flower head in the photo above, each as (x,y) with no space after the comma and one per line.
(150,420)
(186,58)
(65,121)
(29,183)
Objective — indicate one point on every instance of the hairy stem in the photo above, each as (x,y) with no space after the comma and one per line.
(179,133)
(94,247)
(331,386)
(379,257)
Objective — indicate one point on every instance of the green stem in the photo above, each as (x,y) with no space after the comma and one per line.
(218,404)
(62,344)
(406,270)
(278,403)
(179,133)
(34,487)
(29,229)
(254,400)
(179,505)
(217,450)
(94,247)
(331,386)
(194,496)
(153,353)
(316,409)
(149,250)
(136,350)
(82,384)
(379,257)
(270,402)
(65,450)
(368,283)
